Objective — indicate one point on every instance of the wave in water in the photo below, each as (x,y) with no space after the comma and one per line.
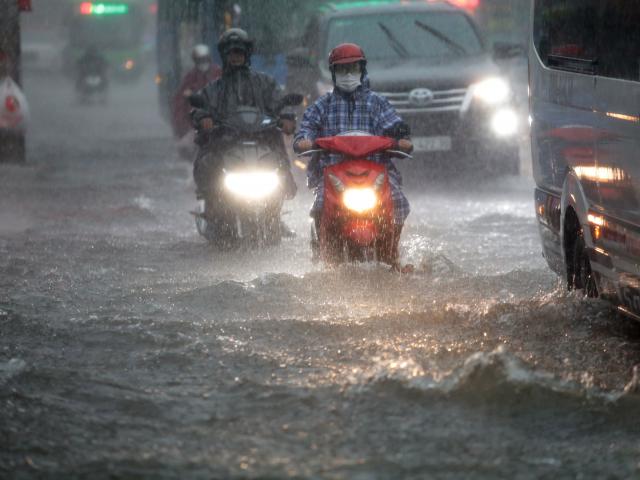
(498,378)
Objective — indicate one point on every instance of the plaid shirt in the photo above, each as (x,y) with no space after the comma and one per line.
(337,112)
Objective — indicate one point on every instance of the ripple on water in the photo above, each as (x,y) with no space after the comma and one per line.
(11,369)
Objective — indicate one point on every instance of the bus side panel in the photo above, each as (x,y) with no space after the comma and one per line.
(618,146)
(585,108)
(618,149)
(562,141)
(562,128)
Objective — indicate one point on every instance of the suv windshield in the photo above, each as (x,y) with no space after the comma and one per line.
(407,35)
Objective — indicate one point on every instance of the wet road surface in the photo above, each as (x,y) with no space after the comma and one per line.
(130,349)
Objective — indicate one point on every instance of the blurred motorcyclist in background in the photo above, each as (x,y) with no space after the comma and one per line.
(352,106)
(91,63)
(203,72)
(238,86)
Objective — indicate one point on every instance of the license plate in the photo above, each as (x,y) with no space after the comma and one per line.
(432,144)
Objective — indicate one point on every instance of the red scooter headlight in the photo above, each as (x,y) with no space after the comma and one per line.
(360,200)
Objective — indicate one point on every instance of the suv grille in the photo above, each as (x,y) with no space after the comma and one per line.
(439,100)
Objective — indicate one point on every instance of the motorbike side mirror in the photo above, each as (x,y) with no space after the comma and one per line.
(292,100)
(398,130)
(506,50)
(197,100)
(300,57)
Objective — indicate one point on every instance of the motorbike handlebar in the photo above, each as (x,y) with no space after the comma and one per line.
(398,154)
(393,153)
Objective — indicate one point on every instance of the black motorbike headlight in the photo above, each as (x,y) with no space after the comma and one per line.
(252,185)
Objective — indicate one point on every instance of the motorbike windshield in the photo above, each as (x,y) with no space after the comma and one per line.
(248,119)
(354,133)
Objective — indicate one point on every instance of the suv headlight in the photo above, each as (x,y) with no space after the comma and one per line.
(505,122)
(492,91)
(251,185)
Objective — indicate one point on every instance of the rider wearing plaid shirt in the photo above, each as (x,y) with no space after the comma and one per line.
(352,106)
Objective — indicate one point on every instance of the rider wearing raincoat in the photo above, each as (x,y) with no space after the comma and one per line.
(204,71)
(352,106)
(238,86)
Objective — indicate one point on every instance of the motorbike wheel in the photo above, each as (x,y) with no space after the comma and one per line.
(333,252)
(258,232)
(384,249)
(314,243)
(249,231)
(359,254)
(219,232)
(356,253)
(226,238)
(272,229)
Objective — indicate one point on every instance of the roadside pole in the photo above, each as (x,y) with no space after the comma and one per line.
(12,144)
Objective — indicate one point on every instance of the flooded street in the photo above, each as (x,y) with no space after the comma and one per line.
(129,348)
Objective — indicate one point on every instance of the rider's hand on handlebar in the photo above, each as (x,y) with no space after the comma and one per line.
(305,145)
(405,145)
(206,124)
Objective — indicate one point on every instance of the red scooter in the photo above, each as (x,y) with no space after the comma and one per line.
(356,222)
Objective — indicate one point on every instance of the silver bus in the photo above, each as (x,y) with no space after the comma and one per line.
(584,77)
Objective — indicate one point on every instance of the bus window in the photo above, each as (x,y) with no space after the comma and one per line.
(565,29)
(619,40)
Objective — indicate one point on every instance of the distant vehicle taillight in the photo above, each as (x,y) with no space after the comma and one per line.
(467,4)
(11,104)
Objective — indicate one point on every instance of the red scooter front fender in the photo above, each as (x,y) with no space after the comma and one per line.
(342,223)
(361,233)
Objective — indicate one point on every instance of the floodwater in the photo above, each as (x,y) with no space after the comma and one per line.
(131,349)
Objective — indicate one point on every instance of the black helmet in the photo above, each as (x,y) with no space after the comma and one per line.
(235,38)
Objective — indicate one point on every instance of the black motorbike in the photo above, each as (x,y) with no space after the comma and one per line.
(92,82)
(92,86)
(248,180)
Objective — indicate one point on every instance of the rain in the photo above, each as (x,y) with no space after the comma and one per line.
(134,343)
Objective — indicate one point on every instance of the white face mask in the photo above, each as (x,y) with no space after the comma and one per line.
(347,82)
(204,66)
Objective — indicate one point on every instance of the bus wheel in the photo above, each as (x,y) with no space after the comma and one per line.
(581,276)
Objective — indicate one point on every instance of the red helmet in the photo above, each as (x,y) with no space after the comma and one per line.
(346,53)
